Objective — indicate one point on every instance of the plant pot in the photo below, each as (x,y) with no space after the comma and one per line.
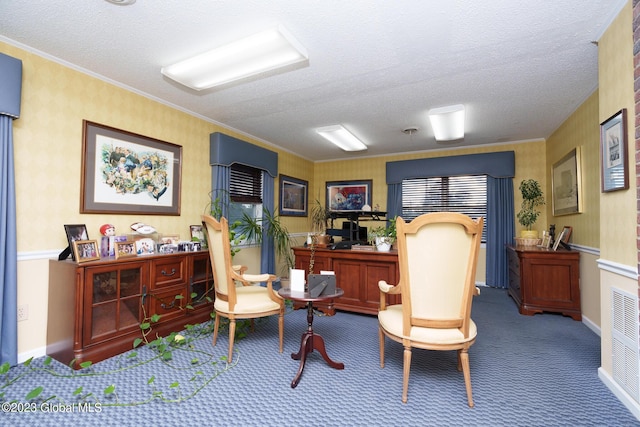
(529,234)
(323,239)
(383,244)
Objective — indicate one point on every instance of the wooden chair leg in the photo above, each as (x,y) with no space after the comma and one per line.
(464,360)
(216,325)
(232,335)
(405,373)
(281,330)
(381,335)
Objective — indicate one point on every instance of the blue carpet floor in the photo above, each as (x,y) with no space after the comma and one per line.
(525,370)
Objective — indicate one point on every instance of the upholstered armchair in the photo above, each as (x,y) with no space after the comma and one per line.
(437,255)
(237,296)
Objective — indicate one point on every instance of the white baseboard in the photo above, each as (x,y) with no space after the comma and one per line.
(36,352)
(622,396)
(591,325)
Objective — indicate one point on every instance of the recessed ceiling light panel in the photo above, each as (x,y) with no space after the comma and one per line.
(253,55)
(341,137)
(121,2)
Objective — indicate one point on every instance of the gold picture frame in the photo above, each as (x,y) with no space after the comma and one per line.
(86,250)
(566,184)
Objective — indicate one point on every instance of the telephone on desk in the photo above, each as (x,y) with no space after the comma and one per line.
(344,244)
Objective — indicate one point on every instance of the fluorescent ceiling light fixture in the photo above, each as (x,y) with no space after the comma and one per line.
(447,122)
(256,54)
(341,137)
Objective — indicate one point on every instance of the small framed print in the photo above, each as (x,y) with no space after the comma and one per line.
(546,240)
(559,239)
(86,250)
(566,234)
(613,153)
(74,232)
(197,235)
(145,246)
(125,249)
(293,196)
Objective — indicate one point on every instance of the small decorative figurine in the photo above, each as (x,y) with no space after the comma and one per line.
(107,230)
(142,228)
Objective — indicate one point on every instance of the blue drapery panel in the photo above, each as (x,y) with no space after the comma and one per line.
(226,150)
(500,229)
(10,94)
(500,170)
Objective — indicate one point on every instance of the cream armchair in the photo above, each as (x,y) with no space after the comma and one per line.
(437,255)
(245,301)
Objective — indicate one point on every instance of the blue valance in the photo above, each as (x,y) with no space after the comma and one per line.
(10,85)
(226,150)
(498,165)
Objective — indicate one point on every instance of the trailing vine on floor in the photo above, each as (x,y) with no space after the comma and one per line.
(201,368)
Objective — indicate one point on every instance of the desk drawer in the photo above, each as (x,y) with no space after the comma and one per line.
(168,271)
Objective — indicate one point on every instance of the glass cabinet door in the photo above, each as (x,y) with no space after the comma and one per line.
(201,280)
(113,300)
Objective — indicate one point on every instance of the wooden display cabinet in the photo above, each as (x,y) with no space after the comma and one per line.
(545,280)
(95,308)
(357,274)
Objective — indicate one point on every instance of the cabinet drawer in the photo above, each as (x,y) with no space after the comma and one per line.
(166,304)
(169,271)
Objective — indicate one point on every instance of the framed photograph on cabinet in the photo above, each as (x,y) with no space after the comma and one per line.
(558,240)
(566,234)
(74,232)
(126,173)
(293,196)
(125,249)
(348,196)
(86,250)
(613,153)
(566,184)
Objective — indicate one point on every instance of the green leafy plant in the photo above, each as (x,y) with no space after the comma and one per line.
(384,234)
(193,373)
(532,197)
(318,216)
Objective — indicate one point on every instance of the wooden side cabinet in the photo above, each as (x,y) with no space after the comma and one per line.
(357,274)
(95,308)
(545,280)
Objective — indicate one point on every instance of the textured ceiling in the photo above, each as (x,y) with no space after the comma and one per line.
(519,67)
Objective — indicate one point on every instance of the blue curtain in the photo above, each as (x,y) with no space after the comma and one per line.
(499,168)
(500,229)
(267,252)
(8,247)
(10,100)
(226,150)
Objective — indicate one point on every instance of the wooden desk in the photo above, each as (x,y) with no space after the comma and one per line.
(310,340)
(545,280)
(357,274)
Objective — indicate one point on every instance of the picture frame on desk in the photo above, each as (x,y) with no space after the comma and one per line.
(558,240)
(74,233)
(348,196)
(127,173)
(294,196)
(86,250)
(125,249)
(614,172)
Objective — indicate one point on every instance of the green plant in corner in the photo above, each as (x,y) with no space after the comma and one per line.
(532,197)
(383,234)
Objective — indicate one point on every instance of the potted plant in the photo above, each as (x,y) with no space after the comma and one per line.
(532,197)
(319,215)
(383,237)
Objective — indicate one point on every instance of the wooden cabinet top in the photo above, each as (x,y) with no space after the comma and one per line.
(137,258)
(392,255)
(543,252)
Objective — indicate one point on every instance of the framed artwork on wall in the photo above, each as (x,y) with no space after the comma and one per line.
(126,173)
(293,196)
(614,174)
(348,196)
(566,184)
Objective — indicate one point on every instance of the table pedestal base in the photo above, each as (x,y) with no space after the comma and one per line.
(310,342)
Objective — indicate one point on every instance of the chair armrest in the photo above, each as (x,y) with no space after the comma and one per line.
(476,291)
(240,269)
(386,289)
(258,277)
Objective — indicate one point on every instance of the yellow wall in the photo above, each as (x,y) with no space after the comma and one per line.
(581,130)
(618,210)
